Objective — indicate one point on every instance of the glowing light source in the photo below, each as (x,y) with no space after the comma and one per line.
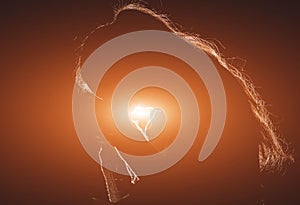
(140,112)
(141,117)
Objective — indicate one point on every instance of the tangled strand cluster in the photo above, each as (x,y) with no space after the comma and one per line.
(274,154)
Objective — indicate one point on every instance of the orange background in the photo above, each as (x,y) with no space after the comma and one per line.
(43,161)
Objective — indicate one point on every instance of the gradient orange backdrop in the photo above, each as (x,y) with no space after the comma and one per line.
(43,160)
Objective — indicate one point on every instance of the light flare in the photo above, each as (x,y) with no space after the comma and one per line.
(273,150)
(274,153)
(141,117)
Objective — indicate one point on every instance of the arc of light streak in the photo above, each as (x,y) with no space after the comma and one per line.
(134,178)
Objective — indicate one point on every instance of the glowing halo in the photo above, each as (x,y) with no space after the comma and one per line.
(102,59)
